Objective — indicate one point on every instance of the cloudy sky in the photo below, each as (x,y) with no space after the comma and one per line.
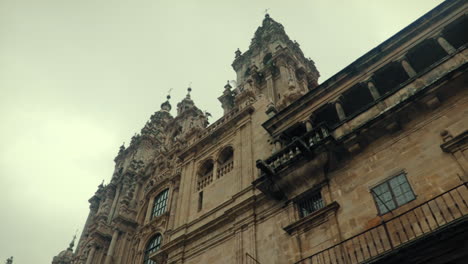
(78,78)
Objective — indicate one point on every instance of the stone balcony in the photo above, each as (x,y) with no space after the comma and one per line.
(282,173)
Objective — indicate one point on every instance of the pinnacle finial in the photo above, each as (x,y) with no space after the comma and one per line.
(72,243)
(169,94)
(238,53)
(227,86)
(166,106)
(266,12)
(189,89)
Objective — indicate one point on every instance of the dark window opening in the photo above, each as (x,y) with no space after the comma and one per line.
(356,98)
(267,58)
(456,33)
(200,201)
(259,78)
(247,72)
(152,247)
(225,162)
(389,77)
(160,204)
(326,114)
(425,54)
(393,193)
(310,204)
(296,130)
(300,74)
(225,155)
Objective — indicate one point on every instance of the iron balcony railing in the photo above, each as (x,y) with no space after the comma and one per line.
(445,209)
(300,146)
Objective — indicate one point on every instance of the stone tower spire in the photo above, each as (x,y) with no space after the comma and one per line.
(66,256)
(274,66)
(190,118)
(227,99)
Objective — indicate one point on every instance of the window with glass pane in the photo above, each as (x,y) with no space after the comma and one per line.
(160,202)
(393,193)
(310,204)
(153,246)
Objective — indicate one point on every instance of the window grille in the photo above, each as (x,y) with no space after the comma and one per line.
(310,204)
(393,193)
(153,246)
(160,203)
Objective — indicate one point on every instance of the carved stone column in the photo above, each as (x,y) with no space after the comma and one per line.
(110,251)
(308,125)
(114,204)
(374,92)
(277,145)
(339,110)
(90,257)
(408,68)
(445,45)
(270,88)
(133,203)
(175,194)
(148,210)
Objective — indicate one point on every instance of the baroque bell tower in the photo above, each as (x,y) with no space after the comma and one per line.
(273,66)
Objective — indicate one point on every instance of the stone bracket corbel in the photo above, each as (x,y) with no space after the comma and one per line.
(456,146)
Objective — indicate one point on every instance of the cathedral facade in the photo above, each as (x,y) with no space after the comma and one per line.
(370,166)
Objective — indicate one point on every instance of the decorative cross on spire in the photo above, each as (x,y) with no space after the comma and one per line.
(72,243)
(169,94)
(189,89)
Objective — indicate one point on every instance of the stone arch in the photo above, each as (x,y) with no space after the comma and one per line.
(225,161)
(267,58)
(153,243)
(205,173)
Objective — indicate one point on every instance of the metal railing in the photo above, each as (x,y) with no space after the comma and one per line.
(430,216)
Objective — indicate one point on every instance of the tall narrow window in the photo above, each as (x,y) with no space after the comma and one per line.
(200,201)
(153,246)
(310,203)
(160,203)
(393,193)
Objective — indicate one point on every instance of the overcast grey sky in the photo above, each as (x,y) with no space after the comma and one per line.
(78,78)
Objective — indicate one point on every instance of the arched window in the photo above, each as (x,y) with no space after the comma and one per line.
(153,246)
(225,162)
(160,203)
(205,174)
